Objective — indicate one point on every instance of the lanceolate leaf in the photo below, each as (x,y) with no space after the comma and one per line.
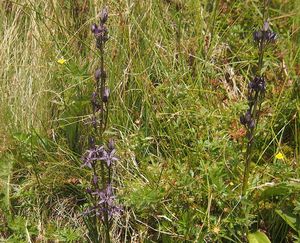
(258,237)
(281,189)
(292,220)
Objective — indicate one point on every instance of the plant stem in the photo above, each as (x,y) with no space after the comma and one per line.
(254,109)
(103,122)
(249,153)
(102,84)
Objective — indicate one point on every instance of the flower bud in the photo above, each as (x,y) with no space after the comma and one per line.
(97,74)
(266,26)
(103,15)
(111,144)
(105,95)
(248,117)
(243,120)
(94,28)
(270,36)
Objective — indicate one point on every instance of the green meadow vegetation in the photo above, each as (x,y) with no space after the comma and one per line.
(178,73)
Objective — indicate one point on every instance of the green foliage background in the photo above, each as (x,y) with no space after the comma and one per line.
(178,71)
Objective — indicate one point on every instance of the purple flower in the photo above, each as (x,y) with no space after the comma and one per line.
(270,36)
(257,35)
(105,196)
(105,203)
(105,94)
(92,155)
(109,157)
(247,120)
(103,15)
(94,28)
(258,84)
(265,35)
(97,74)
(266,26)
(243,120)
(100,32)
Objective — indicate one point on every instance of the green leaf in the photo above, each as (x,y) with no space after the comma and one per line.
(292,220)
(6,162)
(258,237)
(281,189)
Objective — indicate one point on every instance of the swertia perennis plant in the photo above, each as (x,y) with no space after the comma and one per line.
(100,158)
(256,93)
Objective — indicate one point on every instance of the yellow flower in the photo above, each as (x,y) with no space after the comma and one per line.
(216,230)
(61,61)
(279,156)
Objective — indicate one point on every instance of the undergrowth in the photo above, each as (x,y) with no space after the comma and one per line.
(178,77)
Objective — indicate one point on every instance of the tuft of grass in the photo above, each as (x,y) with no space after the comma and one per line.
(178,73)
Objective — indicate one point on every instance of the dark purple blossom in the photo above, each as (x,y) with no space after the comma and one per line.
(102,199)
(101,34)
(101,31)
(97,74)
(89,190)
(264,35)
(105,95)
(92,155)
(258,84)
(257,35)
(94,28)
(105,203)
(247,120)
(266,26)
(270,36)
(95,103)
(103,15)
(243,120)
(109,157)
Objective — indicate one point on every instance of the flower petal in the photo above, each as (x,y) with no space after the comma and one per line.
(279,156)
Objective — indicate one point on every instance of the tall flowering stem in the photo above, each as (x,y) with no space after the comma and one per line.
(256,93)
(100,158)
